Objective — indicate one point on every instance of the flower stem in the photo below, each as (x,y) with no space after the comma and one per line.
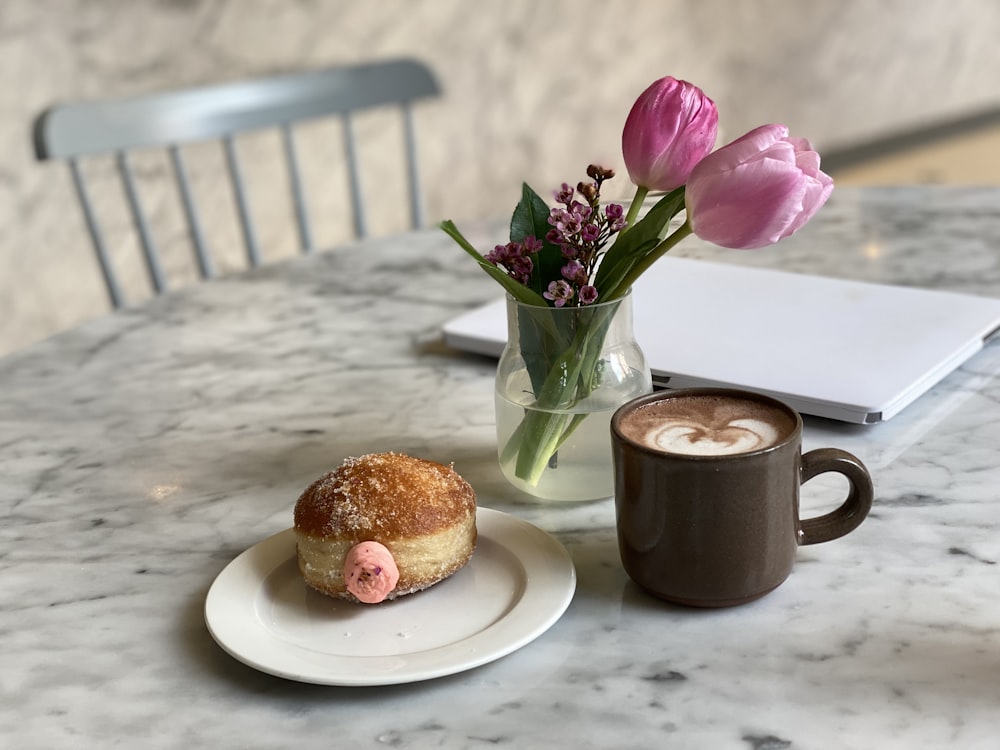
(633,209)
(650,258)
(569,379)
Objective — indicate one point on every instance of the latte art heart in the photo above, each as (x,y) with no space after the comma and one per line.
(737,436)
(707,424)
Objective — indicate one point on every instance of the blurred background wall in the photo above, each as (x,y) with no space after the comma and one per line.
(533,90)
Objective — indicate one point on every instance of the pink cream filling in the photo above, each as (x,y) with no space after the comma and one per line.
(370,573)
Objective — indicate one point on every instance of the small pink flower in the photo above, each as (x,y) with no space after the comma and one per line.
(565,194)
(581,210)
(521,268)
(588,294)
(575,272)
(559,292)
(671,127)
(499,254)
(532,244)
(616,217)
(756,190)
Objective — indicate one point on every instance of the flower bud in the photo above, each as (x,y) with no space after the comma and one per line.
(588,190)
(671,127)
(756,190)
(597,172)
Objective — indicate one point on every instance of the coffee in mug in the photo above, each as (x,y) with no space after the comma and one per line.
(709,424)
(707,494)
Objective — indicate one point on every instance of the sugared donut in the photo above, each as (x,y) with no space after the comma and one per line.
(419,513)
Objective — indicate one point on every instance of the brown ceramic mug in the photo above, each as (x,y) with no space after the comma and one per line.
(707,494)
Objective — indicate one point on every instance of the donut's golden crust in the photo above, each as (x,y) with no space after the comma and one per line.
(422,511)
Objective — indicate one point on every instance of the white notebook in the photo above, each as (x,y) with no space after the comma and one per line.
(852,351)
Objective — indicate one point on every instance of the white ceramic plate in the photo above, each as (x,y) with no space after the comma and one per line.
(518,583)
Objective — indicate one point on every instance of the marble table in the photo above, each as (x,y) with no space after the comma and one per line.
(142,452)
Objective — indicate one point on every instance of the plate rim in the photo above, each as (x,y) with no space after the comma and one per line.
(548,591)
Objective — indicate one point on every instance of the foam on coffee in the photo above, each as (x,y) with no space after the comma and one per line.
(706,425)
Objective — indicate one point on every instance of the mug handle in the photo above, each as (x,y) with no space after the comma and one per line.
(852,511)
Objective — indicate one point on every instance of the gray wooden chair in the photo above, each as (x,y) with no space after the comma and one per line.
(169,119)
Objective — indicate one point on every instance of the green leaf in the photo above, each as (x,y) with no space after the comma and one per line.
(531,218)
(632,246)
(513,287)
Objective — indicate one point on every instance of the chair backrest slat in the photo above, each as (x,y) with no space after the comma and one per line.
(412,170)
(141,223)
(171,119)
(96,236)
(298,195)
(205,264)
(242,202)
(354,177)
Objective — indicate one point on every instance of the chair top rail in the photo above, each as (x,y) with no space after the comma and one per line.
(208,112)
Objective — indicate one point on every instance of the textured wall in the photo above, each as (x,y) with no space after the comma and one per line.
(533,91)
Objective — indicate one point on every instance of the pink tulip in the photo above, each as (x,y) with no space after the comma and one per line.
(757,190)
(671,127)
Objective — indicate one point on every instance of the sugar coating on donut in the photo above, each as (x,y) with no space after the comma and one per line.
(423,512)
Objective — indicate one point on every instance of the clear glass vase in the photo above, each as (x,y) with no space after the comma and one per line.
(561,376)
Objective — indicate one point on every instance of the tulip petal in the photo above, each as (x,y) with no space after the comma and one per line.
(670,128)
(742,149)
(808,162)
(756,190)
(768,199)
(818,190)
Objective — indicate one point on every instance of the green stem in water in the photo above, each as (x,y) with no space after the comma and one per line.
(571,378)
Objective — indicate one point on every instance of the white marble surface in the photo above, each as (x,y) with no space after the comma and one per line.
(142,452)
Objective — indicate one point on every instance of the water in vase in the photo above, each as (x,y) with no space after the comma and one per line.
(582,467)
